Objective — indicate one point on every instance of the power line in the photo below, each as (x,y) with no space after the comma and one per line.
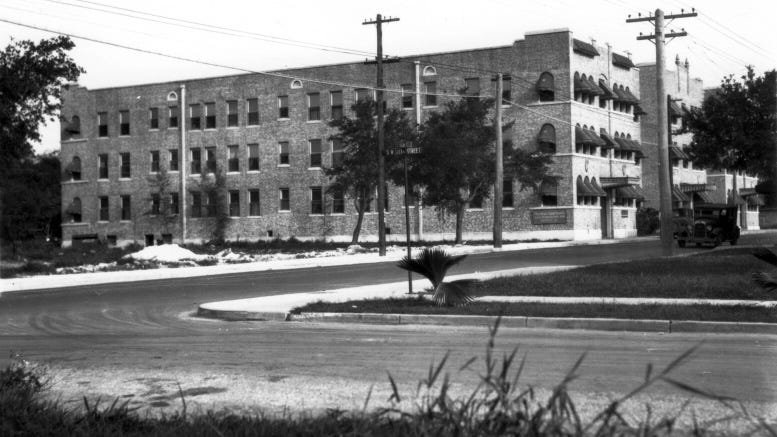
(210,28)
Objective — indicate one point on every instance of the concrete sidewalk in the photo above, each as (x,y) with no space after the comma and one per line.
(71,280)
(280,308)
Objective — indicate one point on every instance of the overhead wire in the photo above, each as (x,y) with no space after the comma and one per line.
(211,28)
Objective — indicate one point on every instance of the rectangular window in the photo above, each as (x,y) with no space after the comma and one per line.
(155,161)
(102,124)
(213,201)
(155,203)
(233,162)
(472,86)
(196,161)
(103,165)
(173,164)
(232,119)
(337,104)
(126,208)
(125,165)
(283,106)
(253,157)
(362,94)
(507,193)
(316,200)
(234,203)
(210,115)
(507,88)
(194,116)
(196,204)
(124,122)
(338,201)
(407,96)
(104,209)
(338,152)
(283,148)
(252,109)
(253,203)
(476,202)
(430,91)
(153,122)
(283,204)
(314,107)
(172,116)
(210,157)
(174,203)
(315,153)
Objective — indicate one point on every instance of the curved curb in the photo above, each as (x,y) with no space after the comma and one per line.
(235,316)
(666,326)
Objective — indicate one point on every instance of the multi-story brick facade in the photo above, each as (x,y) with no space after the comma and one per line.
(691,183)
(269,132)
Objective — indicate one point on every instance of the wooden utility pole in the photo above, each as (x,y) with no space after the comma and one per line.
(381,159)
(498,185)
(664,168)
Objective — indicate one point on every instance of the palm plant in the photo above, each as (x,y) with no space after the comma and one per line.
(434,264)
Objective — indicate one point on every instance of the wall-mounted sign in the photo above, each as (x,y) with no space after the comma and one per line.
(548,216)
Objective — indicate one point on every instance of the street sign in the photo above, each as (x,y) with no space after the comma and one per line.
(402,151)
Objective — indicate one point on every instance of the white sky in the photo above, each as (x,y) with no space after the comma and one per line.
(724,38)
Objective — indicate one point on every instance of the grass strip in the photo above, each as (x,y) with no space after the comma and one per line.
(721,274)
(415,305)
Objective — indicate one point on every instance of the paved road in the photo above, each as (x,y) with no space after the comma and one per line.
(134,339)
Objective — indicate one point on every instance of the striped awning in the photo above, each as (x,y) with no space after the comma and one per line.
(614,182)
(702,197)
(597,189)
(609,142)
(678,195)
(585,136)
(674,109)
(620,95)
(632,98)
(638,110)
(693,188)
(622,61)
(593,87)
(584,189)
(629,192)
(678,153)
(607,93)
(584,48)
(546,83)
(629,145)
(547,134)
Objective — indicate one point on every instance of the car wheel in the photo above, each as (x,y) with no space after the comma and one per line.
(717,241)
(681,243)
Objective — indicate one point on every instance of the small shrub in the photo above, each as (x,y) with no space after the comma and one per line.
(647,221)
(434,264)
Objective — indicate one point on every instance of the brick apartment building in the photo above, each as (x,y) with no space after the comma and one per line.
(691,184)
(269,132)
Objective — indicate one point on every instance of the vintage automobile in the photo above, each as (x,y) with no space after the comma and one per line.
(708,223)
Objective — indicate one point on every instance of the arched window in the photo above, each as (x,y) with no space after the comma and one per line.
(547,139)
(172,96)
(578,84)
(549,192)
(546,87)
(429,71)
(74,126)
(74,210)
(75,169)
(296,84)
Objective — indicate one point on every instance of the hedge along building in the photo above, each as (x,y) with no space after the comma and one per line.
(691,184)
(268,134)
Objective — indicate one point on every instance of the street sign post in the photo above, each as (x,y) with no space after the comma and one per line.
(404,152)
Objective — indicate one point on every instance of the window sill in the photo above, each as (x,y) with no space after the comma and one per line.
(172,128)
(429,107)
(252,125)
(82,181)
(154,130)
(474,209)
(284,211)
(103,180)
(408,109)
(75,224)
(233,127)
(284,165)
(233,172)
(103,221)
(125,221)
(314,168)
(252,171)
(253,216)
(124,179)
(337,214)
(124,136)
(313,121)
(172,171)
(284,119)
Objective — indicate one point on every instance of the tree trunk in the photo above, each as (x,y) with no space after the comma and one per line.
(459,222)
(359,218)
